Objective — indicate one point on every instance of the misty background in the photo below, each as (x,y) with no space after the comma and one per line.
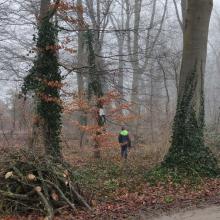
(157,83)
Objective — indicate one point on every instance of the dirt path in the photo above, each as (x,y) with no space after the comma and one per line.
(210,213)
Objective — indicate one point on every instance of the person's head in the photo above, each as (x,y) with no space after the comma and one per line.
(122,128)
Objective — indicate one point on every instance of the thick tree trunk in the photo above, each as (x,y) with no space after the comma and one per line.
(188,150)
(195,51)
(36,141)
(44,8)
(44,80)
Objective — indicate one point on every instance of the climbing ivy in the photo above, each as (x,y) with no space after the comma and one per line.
(188,152)
(44,80)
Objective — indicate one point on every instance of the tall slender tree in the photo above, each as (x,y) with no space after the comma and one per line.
(140,63)
(94,85)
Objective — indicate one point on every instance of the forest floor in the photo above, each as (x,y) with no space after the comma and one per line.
(119,190)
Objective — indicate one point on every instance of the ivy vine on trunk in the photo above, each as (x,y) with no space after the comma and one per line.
(44,80)
(188,152)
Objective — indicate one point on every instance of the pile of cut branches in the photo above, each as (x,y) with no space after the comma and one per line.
(38,185)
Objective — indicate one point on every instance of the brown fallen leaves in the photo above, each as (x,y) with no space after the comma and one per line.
(162,196)
(123,203)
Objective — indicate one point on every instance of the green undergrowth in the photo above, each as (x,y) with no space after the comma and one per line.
(166,175)
(104,179)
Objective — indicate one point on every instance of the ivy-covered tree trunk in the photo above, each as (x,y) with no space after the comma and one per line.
(188,151)
(44,80)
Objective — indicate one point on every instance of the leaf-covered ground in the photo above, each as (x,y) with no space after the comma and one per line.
(150,202)
(120,190)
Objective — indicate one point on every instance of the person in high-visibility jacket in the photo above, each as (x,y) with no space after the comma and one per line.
(125,142)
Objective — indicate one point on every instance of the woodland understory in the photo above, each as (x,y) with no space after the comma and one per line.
(112,108)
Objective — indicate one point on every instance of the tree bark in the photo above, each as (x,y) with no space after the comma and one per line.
(184,10)
(94,88)
(45,70)
(195,51)
(36,141)
(82,61)
(135,51)
(188,150)
(81,45)
(121,68)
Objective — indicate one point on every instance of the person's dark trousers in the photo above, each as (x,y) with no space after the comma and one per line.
(124,151)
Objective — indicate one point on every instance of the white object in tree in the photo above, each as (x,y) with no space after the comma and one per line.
(101,112)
